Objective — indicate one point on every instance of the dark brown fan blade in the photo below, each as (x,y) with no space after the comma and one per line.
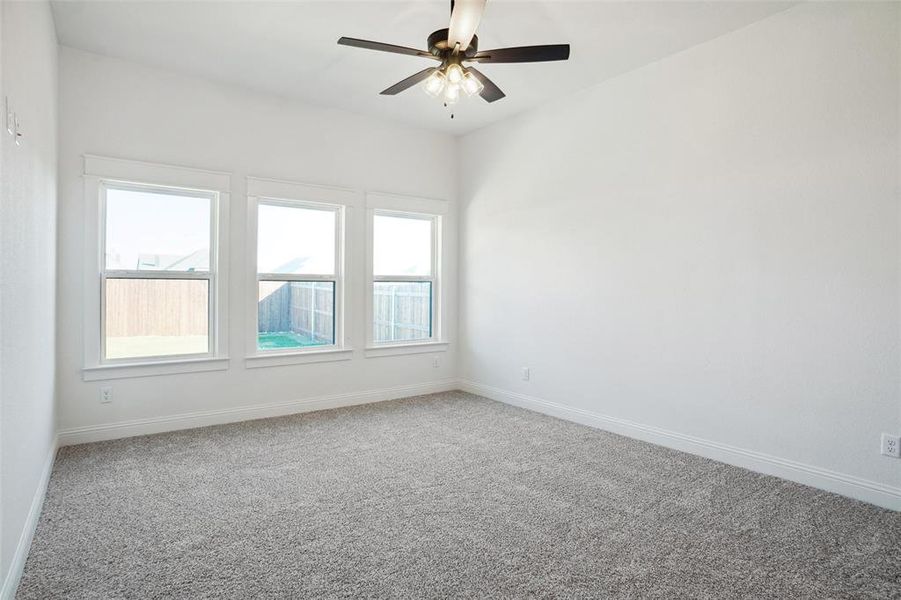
(408,82)
(369,45)
(523,54)
(490,92)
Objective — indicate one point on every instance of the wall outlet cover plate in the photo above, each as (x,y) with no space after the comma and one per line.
(891,445)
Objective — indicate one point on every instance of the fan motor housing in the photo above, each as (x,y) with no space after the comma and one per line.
(437,44)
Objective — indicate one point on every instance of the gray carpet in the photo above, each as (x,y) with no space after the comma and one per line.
(438,496)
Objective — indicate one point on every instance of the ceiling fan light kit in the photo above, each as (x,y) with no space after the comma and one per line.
(453,47)
(449,80)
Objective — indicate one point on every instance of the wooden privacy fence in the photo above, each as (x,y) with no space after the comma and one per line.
(179,307)
(402,311)
(303,307)
(157,307)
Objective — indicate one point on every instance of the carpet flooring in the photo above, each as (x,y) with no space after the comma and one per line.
(447,495)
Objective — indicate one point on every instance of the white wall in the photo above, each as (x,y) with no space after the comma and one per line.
(120,109)
(708,245)
(719,232)
(27,275)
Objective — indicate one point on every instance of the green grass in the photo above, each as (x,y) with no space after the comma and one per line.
(285,339)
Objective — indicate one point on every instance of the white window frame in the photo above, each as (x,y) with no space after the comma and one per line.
(434,211)
(310,196)
(102,173)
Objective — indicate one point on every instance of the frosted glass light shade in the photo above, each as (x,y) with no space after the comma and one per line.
(451,93)
(434,84)
(454,73)
(471,85)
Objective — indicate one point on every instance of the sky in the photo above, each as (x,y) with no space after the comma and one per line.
(295,240)
(291,239)
(402,246)
(149,223)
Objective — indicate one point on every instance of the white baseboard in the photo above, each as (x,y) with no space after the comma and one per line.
(17,565)
(123,429)
(839,483)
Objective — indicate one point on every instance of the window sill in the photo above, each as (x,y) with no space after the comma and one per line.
(151,369)
(256,361)
(401,349)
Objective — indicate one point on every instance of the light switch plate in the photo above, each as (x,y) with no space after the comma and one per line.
(10,117)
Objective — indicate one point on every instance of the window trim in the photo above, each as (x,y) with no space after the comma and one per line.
(300,195)
(209,276)
(409,207)
(101,172)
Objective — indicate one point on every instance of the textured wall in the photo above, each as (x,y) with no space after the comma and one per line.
(27,267)
(717,235)
(122,109)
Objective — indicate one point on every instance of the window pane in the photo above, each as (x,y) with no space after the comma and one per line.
(402,246)
(296,240)
(295,314)
(402,310)
(157,230)
(156,317)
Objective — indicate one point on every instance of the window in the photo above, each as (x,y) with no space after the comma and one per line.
(157,277)
(297,275)
(404,277)
(296,263)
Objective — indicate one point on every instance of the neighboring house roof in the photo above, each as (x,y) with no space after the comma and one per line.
(199,260)
(293,266)
(196,261)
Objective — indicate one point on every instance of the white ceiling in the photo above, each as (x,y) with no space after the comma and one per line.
(289,49)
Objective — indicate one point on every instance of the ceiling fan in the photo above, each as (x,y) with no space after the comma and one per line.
(454,46)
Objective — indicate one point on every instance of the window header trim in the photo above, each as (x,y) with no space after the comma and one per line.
(142,173)
(405,204)
(273,190)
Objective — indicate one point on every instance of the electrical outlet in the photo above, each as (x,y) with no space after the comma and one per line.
(891,445)
(526,373)
(436,363)
(106,395)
